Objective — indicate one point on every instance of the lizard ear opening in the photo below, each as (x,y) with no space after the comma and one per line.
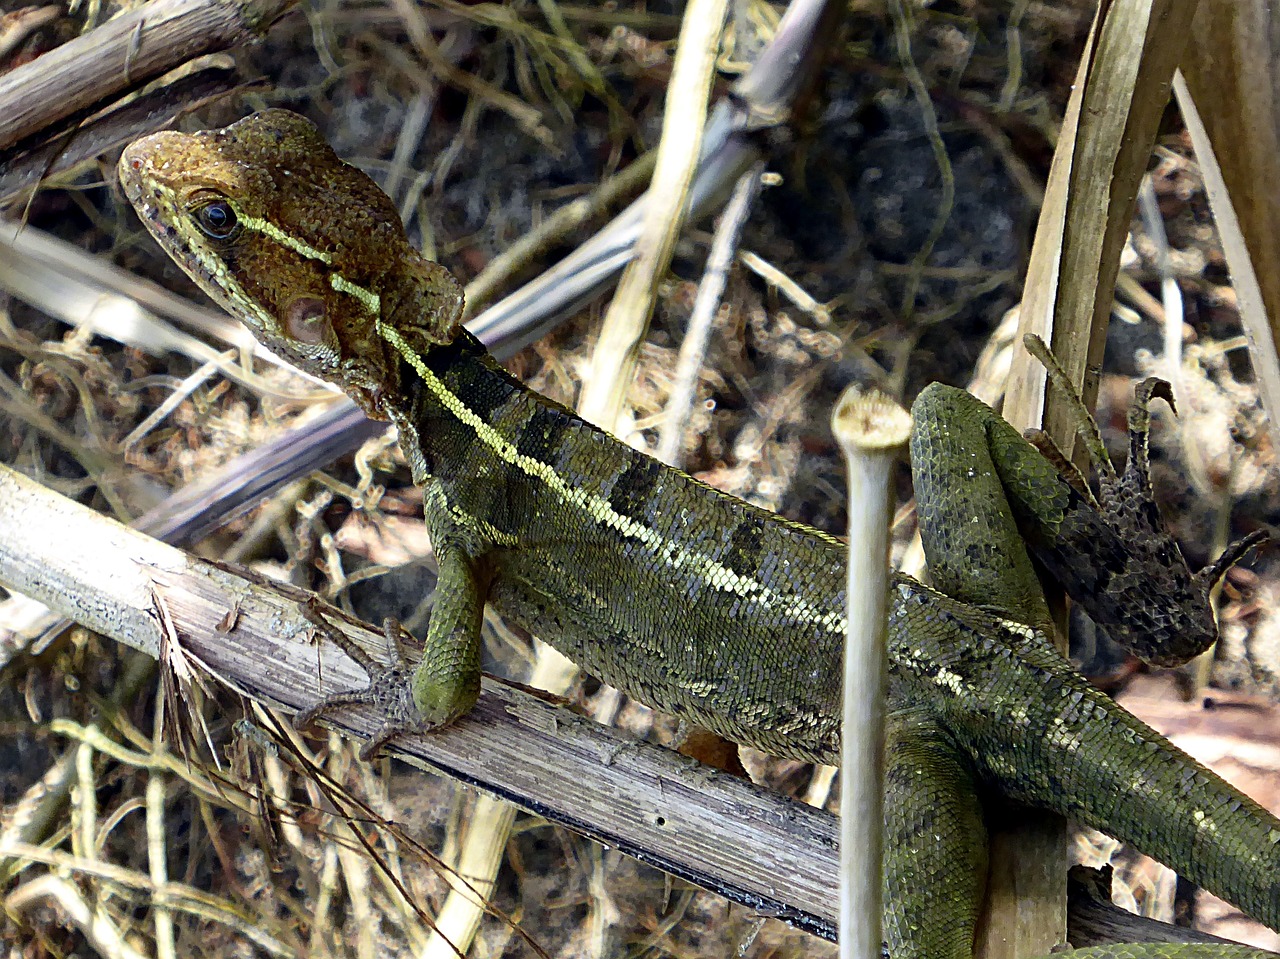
(306,319)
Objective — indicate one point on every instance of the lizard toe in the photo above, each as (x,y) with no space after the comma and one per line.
(389,693)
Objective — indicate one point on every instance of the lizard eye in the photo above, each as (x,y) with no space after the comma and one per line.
(217,220)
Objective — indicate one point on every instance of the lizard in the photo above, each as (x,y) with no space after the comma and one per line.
(702,605)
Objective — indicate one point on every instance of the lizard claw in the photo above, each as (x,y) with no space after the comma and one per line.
(389,691)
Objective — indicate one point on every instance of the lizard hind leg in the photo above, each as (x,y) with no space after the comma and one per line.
(1113,554)
(935,842)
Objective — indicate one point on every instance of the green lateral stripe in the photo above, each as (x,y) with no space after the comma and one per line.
(196,247)
(712,572)
(270,230)
(368,299)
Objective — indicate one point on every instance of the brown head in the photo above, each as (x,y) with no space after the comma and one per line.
(302,247)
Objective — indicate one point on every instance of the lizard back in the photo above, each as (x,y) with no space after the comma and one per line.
(691,600)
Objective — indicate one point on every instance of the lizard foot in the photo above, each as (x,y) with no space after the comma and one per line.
(390,689)
(1119,584)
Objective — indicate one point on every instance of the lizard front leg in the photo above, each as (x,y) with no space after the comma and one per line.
(446,683)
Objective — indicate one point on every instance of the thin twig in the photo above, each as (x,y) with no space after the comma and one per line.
(705,307)
(685,115)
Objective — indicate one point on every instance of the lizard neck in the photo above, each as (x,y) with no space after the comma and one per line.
(458,410)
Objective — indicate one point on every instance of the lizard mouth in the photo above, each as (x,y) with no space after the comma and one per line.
(154,207)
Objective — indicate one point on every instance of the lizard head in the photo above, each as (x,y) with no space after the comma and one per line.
(305,249)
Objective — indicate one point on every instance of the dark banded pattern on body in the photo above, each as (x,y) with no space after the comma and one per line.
(656,561)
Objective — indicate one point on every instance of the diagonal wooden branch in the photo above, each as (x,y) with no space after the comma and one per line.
(127,51)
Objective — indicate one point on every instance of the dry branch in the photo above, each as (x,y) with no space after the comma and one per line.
(128,50)
(766,851)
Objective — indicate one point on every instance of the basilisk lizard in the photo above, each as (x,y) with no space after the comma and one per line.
(705,606)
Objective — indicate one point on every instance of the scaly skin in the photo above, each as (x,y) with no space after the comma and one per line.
(705,606)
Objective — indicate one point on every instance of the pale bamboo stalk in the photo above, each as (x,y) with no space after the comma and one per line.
(612,367)
(1245,280)
(158,863)
(483,847)
(871,429)
(1231,73)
